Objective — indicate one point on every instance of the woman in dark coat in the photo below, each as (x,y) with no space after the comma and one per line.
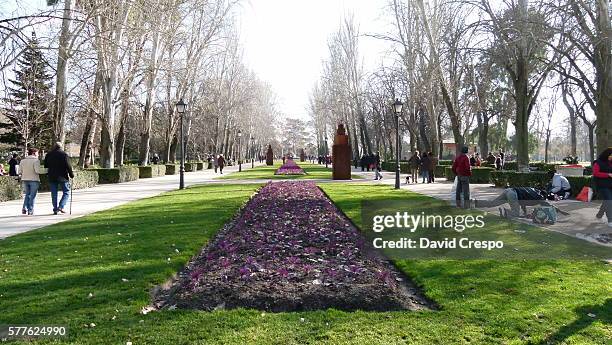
(425,166)
(221,163)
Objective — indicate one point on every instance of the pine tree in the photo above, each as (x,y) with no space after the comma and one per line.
(29,102)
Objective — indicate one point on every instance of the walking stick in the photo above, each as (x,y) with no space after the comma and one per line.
(71,197)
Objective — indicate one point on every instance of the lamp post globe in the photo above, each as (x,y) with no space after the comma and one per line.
(397,108)
(180,108)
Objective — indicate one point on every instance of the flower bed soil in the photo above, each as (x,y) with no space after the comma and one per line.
(290,249)
(289,168)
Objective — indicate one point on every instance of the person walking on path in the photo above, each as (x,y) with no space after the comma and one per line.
(215,162)
(432,168)
(59,173)
(462,169)
(414,162)
(377,167)
(30,179)
(425,165)
(602,173)
(13,163)
(491,158)
(499,165)
(221,163)
(478,161)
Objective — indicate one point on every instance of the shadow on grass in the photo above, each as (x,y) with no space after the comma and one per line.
(601,312)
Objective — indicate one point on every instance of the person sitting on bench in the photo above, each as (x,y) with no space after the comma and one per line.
(518,197)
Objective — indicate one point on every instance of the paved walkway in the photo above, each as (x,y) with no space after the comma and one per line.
(99,198)
(580,222)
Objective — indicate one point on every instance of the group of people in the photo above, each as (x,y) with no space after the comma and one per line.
(370,162)
(519,197)
(423,165)
(59,172)
(218,162)
(13,164)
(324,159)
(495,160)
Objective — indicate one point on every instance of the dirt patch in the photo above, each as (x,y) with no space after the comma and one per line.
(290,249)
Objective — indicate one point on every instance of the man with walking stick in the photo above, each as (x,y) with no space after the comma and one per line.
(59,173)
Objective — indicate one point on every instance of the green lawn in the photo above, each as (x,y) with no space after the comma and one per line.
(482,301)
(264,172)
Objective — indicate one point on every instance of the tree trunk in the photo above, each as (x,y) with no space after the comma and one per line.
(107,141)
(147,116)
(521,123)
(91,124)
(59,108)
(603,76)
(547,144)
(120,145)
(455,122)
(572,120)
(423,132)
(173,148)
(591,129)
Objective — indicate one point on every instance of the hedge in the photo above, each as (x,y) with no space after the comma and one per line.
(200,165)
(541,166)
(448,173)
(172,169)
(445,162)
(125,173)
(189,167)
(503,178)
(150,171)
(10,188)
(479,174)
(579,182)
(439,171)
(82,179)
(511,165)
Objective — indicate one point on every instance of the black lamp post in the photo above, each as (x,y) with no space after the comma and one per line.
(239,162)
(326,152)
(180,108)
(252,152)
(397,107)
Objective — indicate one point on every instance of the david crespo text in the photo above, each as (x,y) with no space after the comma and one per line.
(426,243)
(412,222)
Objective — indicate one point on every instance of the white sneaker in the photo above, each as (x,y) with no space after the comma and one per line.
(610,224)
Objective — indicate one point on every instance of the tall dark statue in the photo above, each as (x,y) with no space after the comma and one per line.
(302,156)
(341,155)
(269,156)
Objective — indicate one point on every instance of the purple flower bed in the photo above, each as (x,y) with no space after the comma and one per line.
(289,168)
(290,249)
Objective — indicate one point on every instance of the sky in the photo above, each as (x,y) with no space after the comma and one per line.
(285,42)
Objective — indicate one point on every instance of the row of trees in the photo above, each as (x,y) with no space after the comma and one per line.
(466,70)
(118,69)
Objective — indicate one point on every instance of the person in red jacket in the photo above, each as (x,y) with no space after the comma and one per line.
(463,170)
(602,174)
